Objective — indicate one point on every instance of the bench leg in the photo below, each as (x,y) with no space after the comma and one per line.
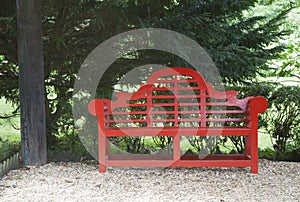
(254,168)
(102,168)
(254,160)
(176,148)
(254,151)
(102,142)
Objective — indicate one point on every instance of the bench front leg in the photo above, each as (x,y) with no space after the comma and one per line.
(102,152)
(256,105)
(96,107)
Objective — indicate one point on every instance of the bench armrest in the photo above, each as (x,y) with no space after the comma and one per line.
(257,104)
(95,107)
(99,108)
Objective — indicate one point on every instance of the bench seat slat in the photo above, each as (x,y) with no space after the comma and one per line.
(173,131)
(177,80)
(225,112)
(175,96)
(181,112)
(179,120)
(178,88)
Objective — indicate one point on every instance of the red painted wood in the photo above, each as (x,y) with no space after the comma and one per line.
(181,163)
(129,157)
(215,157)
(126,157)
(172,131)
(179,96)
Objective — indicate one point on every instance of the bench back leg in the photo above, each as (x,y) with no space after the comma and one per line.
(254,153)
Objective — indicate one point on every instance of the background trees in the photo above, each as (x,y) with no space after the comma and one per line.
(240,41)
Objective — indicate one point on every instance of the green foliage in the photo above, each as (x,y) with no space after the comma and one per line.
(253,89)
(8,148)
(135,145)
(203,145)
(288,62)
(9,122)
(267,153)
(68,148)
(239,143)
(282,119)
(164,143)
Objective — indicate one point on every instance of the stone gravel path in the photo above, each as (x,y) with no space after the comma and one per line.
(276,181)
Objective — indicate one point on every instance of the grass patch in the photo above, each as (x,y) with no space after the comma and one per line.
(264,140)
(7,132)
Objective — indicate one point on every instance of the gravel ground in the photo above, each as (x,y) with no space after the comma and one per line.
(276,181)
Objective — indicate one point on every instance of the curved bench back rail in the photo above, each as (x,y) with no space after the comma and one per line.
(176,97)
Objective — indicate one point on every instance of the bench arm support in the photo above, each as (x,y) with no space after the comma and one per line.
(98,107)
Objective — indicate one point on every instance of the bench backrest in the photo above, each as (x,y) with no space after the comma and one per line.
(176,97)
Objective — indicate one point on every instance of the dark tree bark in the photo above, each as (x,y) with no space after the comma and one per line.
(31,78)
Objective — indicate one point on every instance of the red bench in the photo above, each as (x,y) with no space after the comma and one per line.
(178,102)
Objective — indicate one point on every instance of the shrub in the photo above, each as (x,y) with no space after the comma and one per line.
(282,119)
(8,148)
(255,89)
(204,145)
(68,148)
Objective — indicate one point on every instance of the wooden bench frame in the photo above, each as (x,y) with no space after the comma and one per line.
(185,88)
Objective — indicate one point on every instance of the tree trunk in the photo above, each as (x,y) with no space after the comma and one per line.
(31,78)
